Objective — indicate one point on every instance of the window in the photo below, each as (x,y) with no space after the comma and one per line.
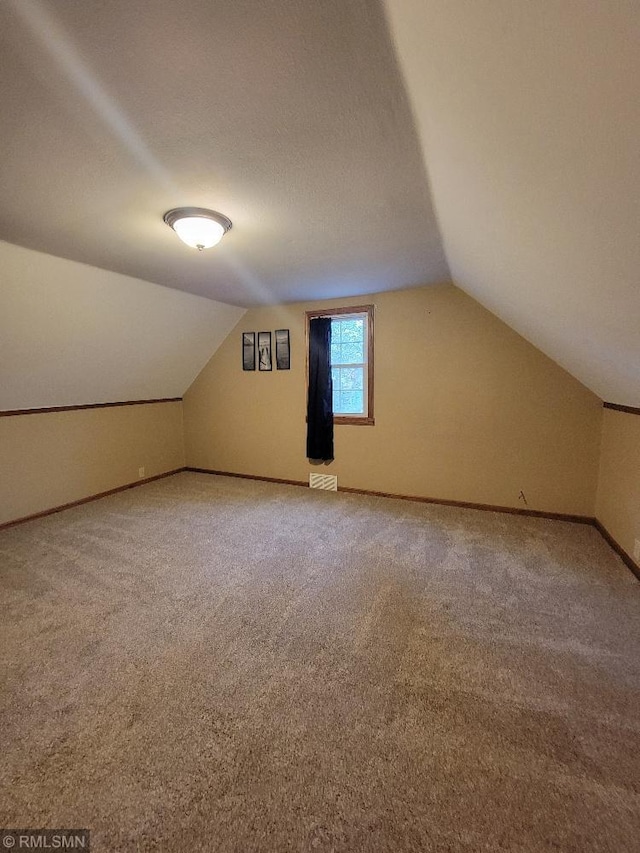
(351,363)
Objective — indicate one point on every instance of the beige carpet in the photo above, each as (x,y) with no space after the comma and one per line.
(207,663)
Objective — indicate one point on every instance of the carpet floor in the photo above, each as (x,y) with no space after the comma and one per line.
(207,663)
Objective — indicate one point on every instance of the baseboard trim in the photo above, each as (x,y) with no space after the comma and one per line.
(246,476)
(535,513)
(509,510)
(627,559)
(87,500)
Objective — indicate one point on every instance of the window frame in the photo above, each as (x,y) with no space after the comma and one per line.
(351,420)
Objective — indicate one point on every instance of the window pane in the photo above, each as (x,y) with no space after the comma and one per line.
(352,353)
(347,341)
(348,395)
(352,330)
(351,378)
(351,402)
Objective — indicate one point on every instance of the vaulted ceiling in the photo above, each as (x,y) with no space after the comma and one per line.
(288,116)
(357,146)
(71,334)
(529,118)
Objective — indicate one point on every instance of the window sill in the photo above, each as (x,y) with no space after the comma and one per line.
(348,420)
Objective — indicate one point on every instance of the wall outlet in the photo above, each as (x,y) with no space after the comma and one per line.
(140,473)
(636,550)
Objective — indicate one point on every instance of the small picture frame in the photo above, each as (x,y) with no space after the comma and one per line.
(264,351)
(248,350)
(283,353)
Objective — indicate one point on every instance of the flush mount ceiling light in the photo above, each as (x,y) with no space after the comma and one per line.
(198,227)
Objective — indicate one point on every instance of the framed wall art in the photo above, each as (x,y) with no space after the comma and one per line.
(264,351)
(248,350)
(283,355)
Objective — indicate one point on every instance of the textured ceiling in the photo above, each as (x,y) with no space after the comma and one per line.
(315,132)
(288,116)
(529,117)
(72,334)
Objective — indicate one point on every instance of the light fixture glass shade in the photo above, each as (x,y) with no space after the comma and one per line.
(198,232)
(198,227)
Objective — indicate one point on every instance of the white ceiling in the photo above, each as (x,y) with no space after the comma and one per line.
(529,117)
(288,116)
(71,334)
(315,131)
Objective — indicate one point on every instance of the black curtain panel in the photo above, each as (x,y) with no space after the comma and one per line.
(320,403)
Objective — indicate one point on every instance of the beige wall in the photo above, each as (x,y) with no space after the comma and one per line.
(465,409)
(51,459)
(618,500)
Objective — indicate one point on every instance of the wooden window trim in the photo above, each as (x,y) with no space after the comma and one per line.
(349,420)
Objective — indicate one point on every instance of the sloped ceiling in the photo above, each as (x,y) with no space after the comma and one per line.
(320,128)
(71,334)
(529,118)
(288,116)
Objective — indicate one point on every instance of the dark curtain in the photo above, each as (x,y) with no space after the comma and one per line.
(320,402)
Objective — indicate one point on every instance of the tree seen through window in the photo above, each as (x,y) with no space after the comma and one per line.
(348,364)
